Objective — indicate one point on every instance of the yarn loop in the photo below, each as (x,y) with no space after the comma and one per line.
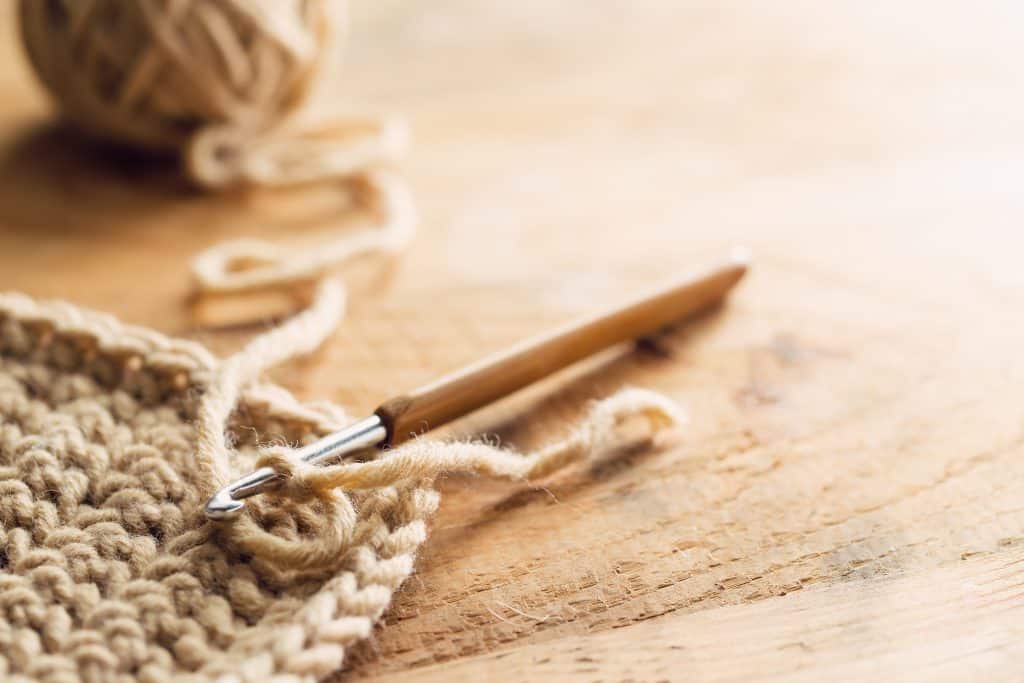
(422,459)
(112,437)
(230,87)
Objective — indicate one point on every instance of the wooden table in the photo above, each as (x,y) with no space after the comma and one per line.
(847,502)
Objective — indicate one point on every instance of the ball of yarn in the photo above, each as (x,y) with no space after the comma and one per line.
(154,73)
(222,84)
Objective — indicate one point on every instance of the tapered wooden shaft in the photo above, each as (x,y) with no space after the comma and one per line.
(475,386)
(492,378)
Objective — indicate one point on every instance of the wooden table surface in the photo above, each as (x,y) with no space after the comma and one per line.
(847,501)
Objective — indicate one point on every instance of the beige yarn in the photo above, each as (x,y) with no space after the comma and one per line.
(269,263)
(157,73)
(112,436)
(228,85)
(426,459)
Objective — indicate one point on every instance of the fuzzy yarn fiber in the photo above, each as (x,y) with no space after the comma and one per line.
(111,439)
(109,572)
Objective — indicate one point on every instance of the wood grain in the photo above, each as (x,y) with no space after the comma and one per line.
(477,385)
(846,502)
(962,622)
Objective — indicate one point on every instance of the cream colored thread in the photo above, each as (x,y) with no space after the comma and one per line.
(292,155)
(279,264)
(134,584)
(156,74)
(189,596)
(299,335)
(229,87)
(425,459)
(109,575)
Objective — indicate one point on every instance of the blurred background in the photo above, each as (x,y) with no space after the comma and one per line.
(565,154)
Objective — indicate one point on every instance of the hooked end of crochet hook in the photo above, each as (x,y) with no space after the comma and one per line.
(228,502)
(222,505)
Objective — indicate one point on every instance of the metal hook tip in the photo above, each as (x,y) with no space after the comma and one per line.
(227,502)
(222,505)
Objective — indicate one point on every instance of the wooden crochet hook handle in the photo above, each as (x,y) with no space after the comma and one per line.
(477,385)
(492,378)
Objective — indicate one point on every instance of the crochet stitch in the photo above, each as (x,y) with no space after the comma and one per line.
(108,569)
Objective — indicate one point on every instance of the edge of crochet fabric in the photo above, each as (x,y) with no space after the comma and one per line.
(107,570)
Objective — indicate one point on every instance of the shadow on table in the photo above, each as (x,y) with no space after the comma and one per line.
(59,182)
(53,181)
(560,402)
(61,192)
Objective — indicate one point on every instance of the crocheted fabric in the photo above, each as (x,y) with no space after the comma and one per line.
(108,570)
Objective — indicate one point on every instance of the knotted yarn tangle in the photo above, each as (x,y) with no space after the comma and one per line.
(228,86)
(111,439)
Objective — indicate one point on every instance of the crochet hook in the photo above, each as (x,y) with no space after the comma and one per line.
(477,385)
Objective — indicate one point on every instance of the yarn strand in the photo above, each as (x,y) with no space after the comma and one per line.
(222,268)
(300,335)
(424,459)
